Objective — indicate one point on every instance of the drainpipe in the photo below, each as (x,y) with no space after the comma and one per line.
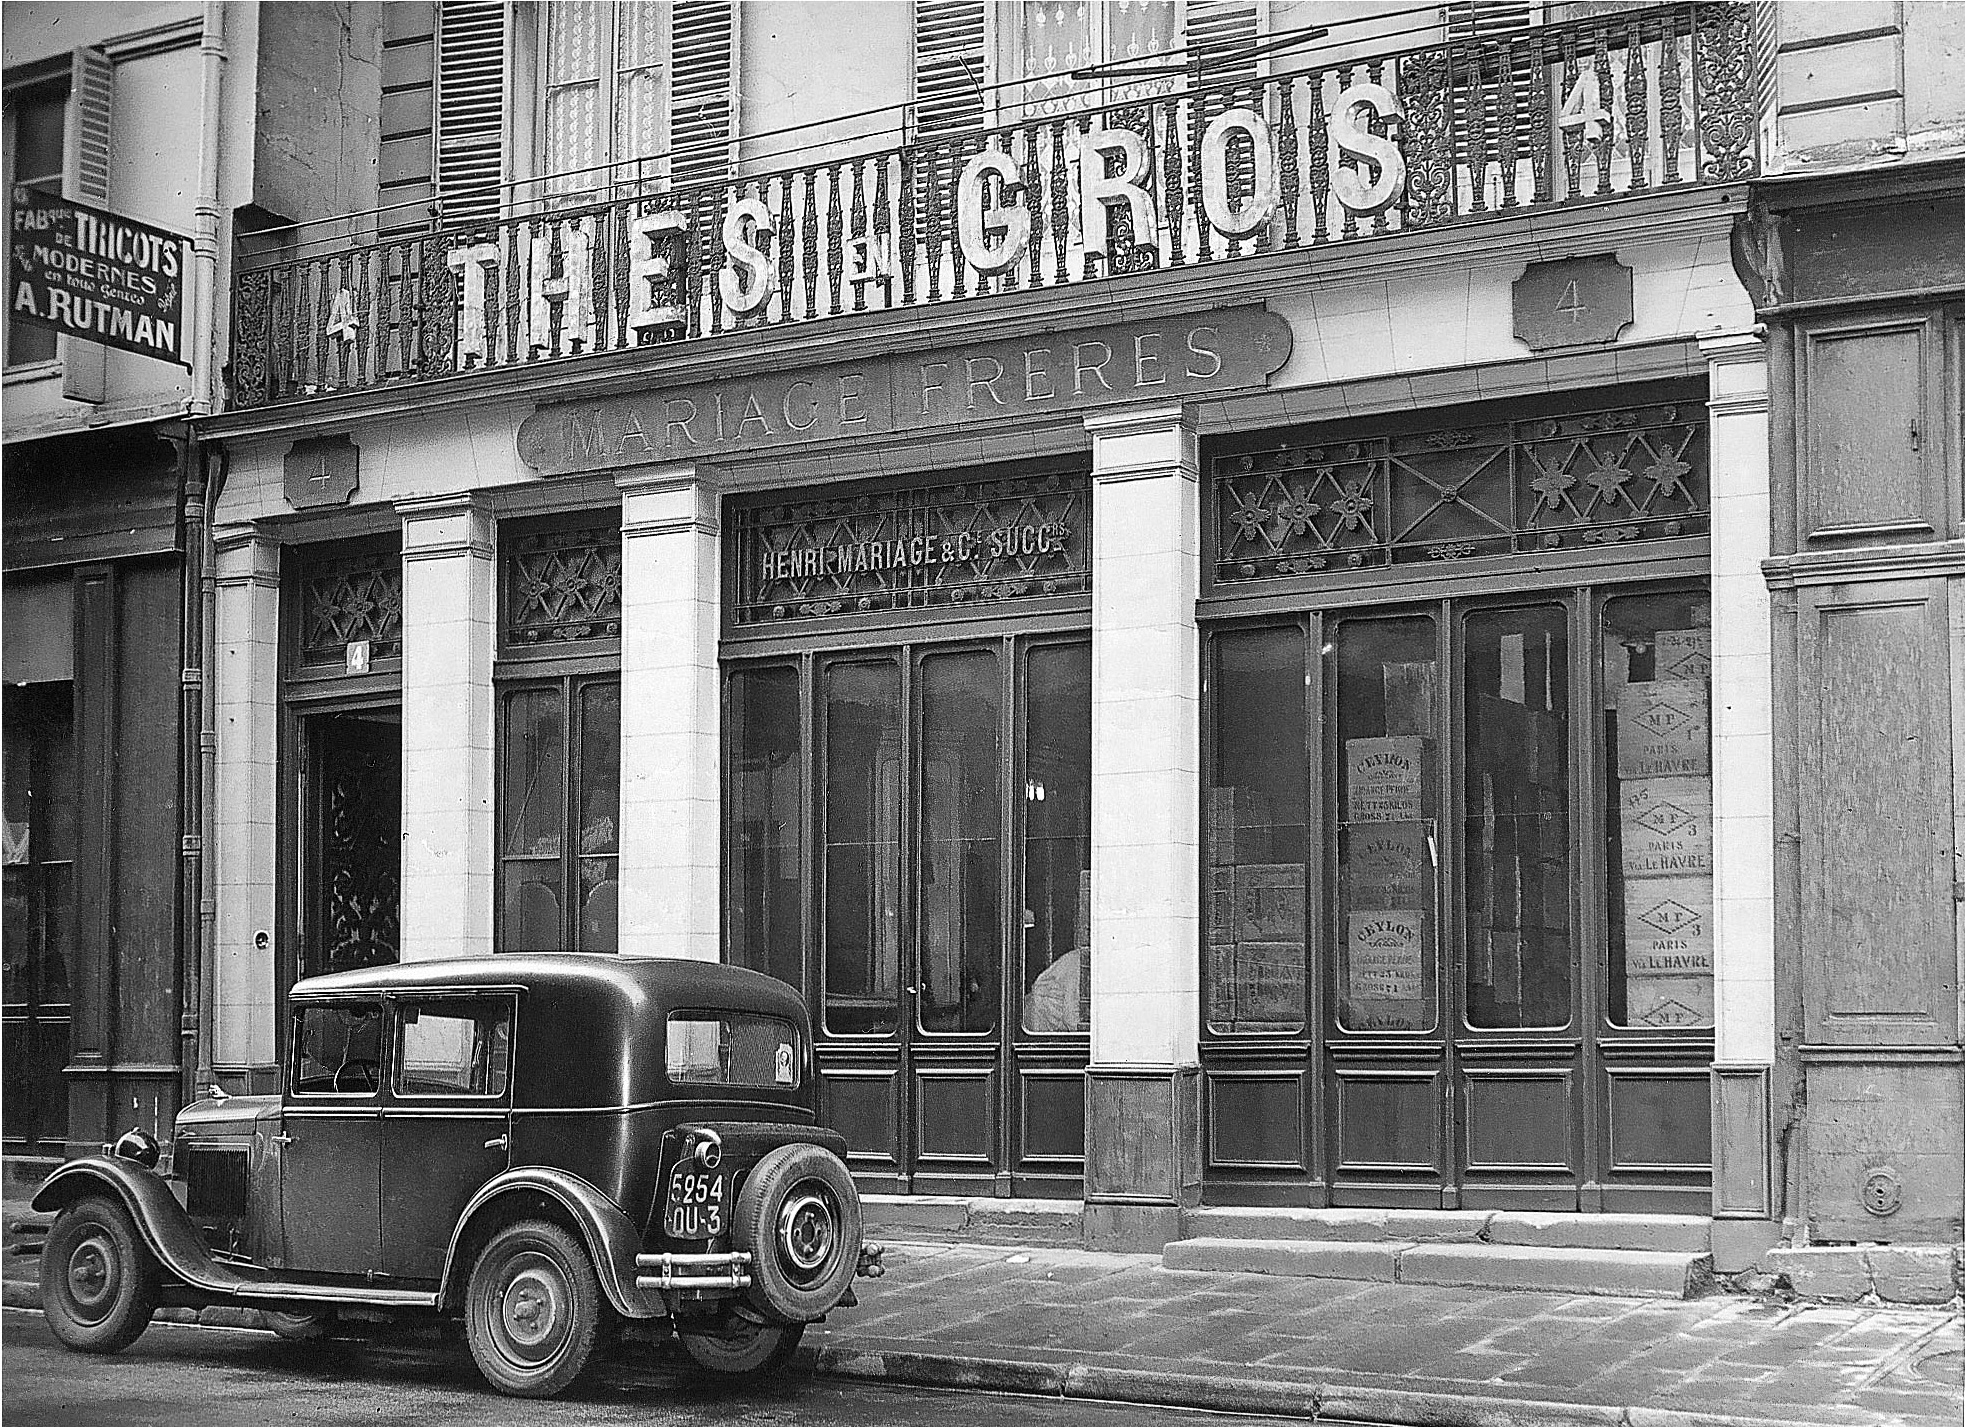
(204,237)
(204,267)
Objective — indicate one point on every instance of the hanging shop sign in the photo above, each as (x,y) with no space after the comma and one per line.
(98,276)
(974,384)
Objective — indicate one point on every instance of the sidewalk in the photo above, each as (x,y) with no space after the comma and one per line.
(1121,1327)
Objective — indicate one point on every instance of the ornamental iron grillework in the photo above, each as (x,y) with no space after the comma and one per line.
(349,598)
(562,586)
(1592,478)
(1598,107)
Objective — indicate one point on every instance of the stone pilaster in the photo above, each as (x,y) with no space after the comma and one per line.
(246,696)
(1743,778)
(670,827)
(450,592)
(1142,1090)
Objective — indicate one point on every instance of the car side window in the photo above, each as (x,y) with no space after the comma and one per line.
(453,1046)
(337,1049)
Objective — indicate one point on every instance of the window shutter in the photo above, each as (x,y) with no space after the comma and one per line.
(950,39)
(470,109)
(1470,20)
(702,90)
(1220,38)
(85,178)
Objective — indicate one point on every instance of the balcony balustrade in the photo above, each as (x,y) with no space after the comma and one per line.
(1169,174)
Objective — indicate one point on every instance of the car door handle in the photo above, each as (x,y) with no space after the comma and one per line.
(501,1143)
(282,1139)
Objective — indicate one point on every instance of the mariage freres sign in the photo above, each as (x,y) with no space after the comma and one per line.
(972,384)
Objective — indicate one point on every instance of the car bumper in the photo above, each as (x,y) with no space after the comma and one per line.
(728,1272)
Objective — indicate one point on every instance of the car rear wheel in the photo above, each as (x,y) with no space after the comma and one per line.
(743,1347)
(99,1281)
(533,1310)
(798,1216)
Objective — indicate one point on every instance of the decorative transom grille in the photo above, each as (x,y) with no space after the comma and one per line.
(963,542)
(348,599)
(563,585)
(1593,478)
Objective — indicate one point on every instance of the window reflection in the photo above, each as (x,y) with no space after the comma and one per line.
(764,927)
(1057,846)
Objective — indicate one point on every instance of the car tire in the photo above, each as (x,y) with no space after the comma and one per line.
(304,1327)
(744,1348)
(532,1312)
(798,1216)
(99,1281)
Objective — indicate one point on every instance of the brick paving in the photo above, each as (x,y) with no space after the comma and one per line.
(1723,1356)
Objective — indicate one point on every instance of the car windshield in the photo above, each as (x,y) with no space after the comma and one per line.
(733,1048)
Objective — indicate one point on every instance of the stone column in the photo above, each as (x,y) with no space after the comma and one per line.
(670,796)
(1142,1118)
(246,706)
(1743,797)
(450,593)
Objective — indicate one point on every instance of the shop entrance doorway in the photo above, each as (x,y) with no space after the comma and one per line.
(1460,935)
(351,819)
(908,840)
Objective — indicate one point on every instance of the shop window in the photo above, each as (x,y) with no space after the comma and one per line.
(1449,885)
(1056,870)
(38,756)
(559,800)
(864,785)
(763,829)
(1659,810)
(961,856)
(1257,824)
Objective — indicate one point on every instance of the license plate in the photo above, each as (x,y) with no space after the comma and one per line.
(698,1202)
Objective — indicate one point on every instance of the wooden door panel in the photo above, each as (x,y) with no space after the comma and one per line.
(1256,1119)
(1659,1120)
(860,1101)
(1387,1120)
(1518,1121)
(1868,440)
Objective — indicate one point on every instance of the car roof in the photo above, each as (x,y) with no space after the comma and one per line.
(614,1007)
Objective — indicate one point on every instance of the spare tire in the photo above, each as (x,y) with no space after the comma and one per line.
(798,1216)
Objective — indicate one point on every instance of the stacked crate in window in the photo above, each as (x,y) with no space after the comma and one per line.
(1256,930)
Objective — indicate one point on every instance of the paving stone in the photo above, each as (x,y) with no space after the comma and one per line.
(1839,1275)
(1912,1275)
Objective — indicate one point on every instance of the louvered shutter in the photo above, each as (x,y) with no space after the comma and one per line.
(1220,41)
(950,38)
(1476,20)
(85,178)
(470,109)
(702,90)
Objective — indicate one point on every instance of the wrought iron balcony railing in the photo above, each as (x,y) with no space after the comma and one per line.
(1360,148)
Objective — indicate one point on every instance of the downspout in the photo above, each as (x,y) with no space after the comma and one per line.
(204,265)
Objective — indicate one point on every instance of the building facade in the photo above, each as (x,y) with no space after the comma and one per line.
(1190,572)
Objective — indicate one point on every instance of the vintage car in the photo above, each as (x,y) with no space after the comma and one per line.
(540,1145)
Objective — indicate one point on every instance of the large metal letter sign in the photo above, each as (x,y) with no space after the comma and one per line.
(1128,186)
(1256,206)
(1366,198)
(993,235)
(747,280)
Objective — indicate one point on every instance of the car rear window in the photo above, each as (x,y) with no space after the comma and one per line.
(733,1048)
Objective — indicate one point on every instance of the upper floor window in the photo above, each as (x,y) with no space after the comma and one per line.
(36,124)
(1052,41)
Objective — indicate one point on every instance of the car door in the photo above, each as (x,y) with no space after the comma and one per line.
(329,1140)
(446,1121)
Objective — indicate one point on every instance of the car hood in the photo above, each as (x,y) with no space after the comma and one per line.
(236,1112)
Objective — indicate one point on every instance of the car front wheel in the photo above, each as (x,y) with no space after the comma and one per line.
(533,1310)
(742,1348)
(99,1281)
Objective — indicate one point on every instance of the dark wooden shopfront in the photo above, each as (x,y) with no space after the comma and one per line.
(907,717)
(1458,934)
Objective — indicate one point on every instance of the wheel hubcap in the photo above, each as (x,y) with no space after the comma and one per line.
(807,1230)
(533,1310)
(92,1275)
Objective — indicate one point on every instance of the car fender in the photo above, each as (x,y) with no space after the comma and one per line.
(166,1229)
(611,1237)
